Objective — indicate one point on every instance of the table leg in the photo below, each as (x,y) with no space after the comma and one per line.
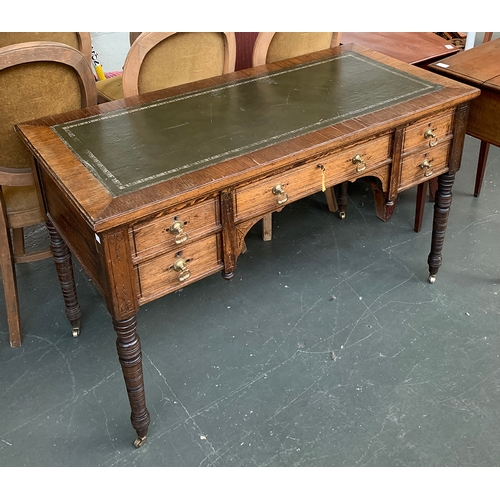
(128,346)
(64,267)
(441,212)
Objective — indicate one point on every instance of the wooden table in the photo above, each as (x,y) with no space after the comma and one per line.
(417,48)
(155,192)
(480,67)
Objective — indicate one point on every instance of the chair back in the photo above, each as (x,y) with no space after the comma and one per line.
(37,79)
(79,40)
(275,46)
(161,60)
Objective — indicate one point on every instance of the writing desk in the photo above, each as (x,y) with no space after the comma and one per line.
(154,192)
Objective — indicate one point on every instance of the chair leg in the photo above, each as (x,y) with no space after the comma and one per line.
(481,166)
(331,199)
(267,227)
(8,269)
(420,205)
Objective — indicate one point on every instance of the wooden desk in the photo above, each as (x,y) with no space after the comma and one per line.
(480,67)
(154,192)
(414,48)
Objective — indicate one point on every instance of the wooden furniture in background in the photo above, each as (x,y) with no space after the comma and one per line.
(414,48)
(479,67)
(158,60)
(37,79)
(143,227)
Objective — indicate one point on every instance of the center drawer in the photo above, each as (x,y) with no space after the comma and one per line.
(274,192)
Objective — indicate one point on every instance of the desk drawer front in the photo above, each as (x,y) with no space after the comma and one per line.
(178,268)
(176,229)
(423,166)
(429,132)
(274,192)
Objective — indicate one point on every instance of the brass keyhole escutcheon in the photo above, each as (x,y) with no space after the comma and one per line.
(429,134)
(181,268)
(281,196)
(177,229)
(359,162)
(426,165)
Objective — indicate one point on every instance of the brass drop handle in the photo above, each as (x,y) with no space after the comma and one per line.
(281,196)
(426,165)
(177,228)
(359,162)
(180,267)
(429,134)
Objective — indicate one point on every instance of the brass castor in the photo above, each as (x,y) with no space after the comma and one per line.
(75,331)
(342,215)
(139,441)
(432,278)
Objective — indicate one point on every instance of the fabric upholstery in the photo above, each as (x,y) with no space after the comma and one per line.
(30,91)
(285,45)
(110,89)
(11,37)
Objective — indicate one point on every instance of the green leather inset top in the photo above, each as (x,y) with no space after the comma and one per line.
(139,146)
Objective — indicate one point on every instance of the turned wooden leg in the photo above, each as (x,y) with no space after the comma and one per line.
(481,167)
(62,259)
(342,198)
(441,212)
(128,346)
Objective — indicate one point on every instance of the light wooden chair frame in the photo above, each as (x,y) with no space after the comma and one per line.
(12,249)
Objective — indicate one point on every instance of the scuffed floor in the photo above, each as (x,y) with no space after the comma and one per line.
(328,348)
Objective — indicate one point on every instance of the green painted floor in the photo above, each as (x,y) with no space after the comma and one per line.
(328,348)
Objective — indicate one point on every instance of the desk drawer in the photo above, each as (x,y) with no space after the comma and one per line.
(429,132)
(175,230)
(272,193)
(422,166)
(178,268)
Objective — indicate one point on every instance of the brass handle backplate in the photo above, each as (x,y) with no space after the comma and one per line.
(359,162)
(177,229)
(426,165)
(281,196)
(429,134)
(180,267)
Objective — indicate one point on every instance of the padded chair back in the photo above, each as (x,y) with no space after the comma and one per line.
(37,79)
(80,40)
(275,46)
(161,60)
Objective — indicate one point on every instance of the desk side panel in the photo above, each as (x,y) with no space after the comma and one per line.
(75,231)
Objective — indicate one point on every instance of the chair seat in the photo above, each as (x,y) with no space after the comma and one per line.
(22,206)
(110,89)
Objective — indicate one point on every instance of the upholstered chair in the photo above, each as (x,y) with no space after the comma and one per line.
(37,79)
(162,60)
